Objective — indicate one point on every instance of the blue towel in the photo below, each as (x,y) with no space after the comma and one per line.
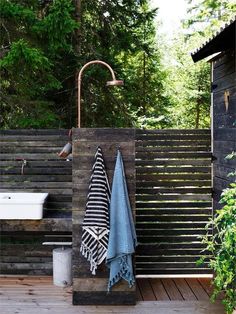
(122,238)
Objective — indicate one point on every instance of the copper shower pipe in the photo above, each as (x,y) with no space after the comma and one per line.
(114,82)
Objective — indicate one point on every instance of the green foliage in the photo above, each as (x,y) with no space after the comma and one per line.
(207,16)
(21,113)
(57,26)
(27,71)
(37,61)
(10,10)
(43,46)
(188,85)
(222,246)
(124,36)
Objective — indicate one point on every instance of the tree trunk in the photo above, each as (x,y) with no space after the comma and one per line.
(197,115)
(77,4)
(78,14)
(198,109)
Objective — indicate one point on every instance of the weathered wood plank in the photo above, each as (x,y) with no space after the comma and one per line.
(170,190)
(171,211)
(172,290)
(187,155)
(176,169)
(170,225)
(22,294)
(184,289)
(223,58)
(225,68)
(35,132)
(32,178)
(94,291)
(177,183)
(173,162)
(158,290)
(173,197)
(197,289)
(226,134)
(169,258)
(164,148)
(173,205)
(167,176)
(146,290)
(227,81)
(173,131)
(34,225)
(153,232)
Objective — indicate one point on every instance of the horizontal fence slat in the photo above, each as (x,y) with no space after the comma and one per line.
(167,176)
(162,149)
(173,231)
(187,155)
(172,218)
(35,178)
(173,131)
(172,162)
(174,205)
(191,182)
(170,225)
(184,190)
(171,211)
(182,169)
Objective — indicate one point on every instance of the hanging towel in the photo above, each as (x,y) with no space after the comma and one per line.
(95,228)
(122,237)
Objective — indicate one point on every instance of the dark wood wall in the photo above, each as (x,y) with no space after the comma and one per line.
(224,122)
(87,288)
(21,246)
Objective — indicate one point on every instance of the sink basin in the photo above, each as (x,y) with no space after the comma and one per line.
(22,205)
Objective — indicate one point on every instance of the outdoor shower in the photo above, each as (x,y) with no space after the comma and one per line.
(67,149)
(114,82)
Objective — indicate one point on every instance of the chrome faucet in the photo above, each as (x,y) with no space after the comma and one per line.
(24,163)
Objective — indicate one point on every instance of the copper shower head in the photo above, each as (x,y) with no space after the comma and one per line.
(115,83)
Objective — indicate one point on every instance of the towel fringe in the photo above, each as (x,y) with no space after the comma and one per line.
(86,252)
(124,273)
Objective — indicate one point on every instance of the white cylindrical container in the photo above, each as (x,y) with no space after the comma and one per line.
(62,264)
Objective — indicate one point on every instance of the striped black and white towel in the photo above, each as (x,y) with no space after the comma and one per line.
(95,229)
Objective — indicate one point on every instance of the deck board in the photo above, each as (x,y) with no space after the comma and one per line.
(197,289)
(172,289)
(38,295)
(185,290)
(146,290)
(159,290)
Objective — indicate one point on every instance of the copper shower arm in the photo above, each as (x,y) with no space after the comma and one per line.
(114,82)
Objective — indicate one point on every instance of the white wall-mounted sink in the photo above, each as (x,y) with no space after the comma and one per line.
(22,205)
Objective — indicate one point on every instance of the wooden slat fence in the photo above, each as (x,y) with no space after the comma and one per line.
(173,200)
(21,247)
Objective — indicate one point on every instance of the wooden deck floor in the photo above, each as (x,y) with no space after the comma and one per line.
(37,295)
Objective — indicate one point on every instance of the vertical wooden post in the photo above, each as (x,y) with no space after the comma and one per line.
(87,288)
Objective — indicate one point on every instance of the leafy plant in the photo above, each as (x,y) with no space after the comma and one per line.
(222,247)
